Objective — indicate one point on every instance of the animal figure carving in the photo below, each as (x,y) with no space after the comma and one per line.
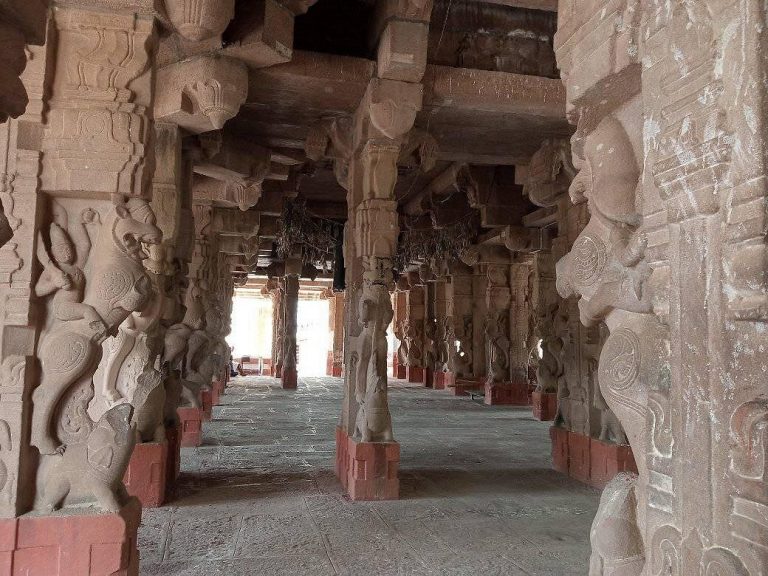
(373,423)
(116,286)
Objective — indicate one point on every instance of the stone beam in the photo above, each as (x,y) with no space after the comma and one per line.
(547,5)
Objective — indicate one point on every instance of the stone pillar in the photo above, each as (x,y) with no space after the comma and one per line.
(502,386)
(336,321)
(276,292)
(289,374)
(75,187)
(444,337)
(400,359)
(460,330)
(415,302)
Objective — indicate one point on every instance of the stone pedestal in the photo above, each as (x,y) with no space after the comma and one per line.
(367,470)
(206,401)
(218,387)
(173,462)
(589,460)
(544,405)
(145,477)
(462,386)
(290,379)
(338,370)
(560,456)
(579,459)
(429,378)
(415,374)
(395,366)
(402,372)
(191,426)
(71,544)
(438,383)
(607,460)
(507,394)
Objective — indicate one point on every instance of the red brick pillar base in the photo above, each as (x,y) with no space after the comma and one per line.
(415,374)
(337,370)
(367,470)
(145,477)
(191,426)
(206,401)
(395,365)
(544,405)
(560,454)
(290,379)
(173,462)
(589,460)
(329,363)
(218,388)
(439,381)
(72,544)
(507,394)
(429,378)
(462,386)
(402,372)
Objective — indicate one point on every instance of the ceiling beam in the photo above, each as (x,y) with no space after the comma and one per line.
(547,5)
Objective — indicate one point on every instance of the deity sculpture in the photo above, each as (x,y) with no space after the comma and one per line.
(498,348)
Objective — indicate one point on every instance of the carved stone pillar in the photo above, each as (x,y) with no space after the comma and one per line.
(460,329)
(444,337)
(290,310)
(75,187)
(336,321)
(400,357)
(415,302)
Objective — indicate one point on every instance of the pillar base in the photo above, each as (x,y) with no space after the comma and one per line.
(544,405)
(402,372)
(429,378)
(278,372)
(191,426)
(438,383)
(506,394)
(218,388)
(206,401)
(589,460)
(290,379)
(560,457)
(173,462)
(72,544)
(461,386)
(145,477)
(415,374)
(367,470)
(337,370)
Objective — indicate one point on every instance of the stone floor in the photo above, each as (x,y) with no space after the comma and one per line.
(260,497)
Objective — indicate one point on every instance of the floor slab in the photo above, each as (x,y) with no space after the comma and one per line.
(260,497)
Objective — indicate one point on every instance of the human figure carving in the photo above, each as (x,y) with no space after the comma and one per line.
(373,423)
(498,348)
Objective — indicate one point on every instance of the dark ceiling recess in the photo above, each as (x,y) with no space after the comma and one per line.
(336,27)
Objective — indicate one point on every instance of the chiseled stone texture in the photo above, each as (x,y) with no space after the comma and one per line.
(260,497)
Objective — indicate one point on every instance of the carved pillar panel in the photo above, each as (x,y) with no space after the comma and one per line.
(399,325)
(461,330)
(337,328)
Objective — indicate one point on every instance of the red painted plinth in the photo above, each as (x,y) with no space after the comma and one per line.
(367,470)
(173,462)
(438,383)
(429,378)
(218,387)
(337,370)
(329,363)
(607,460)
(463,386)
(560,455)
(402,372)
(507,394)
(579,460)
(83,544)
(206,401)
(145,476)
(589,460)
(544,405)
(191,426)
(290,379)
(395,365)
(415,374)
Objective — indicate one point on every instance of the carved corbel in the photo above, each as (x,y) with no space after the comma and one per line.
(550,172)
(390,107)
(199,20)
(201,94)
